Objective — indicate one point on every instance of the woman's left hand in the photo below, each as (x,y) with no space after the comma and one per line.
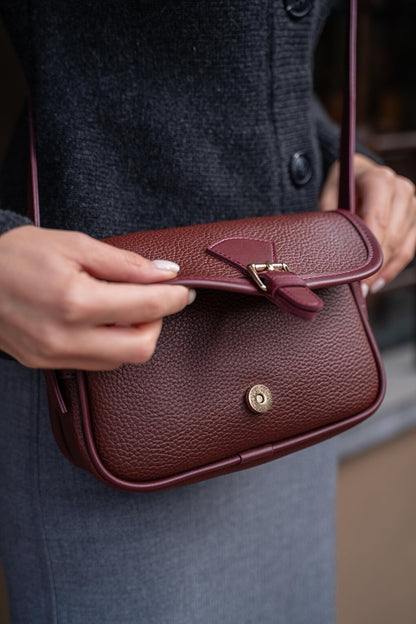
(387,204)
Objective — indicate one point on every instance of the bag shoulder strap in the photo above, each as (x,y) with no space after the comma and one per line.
(346,196)
(33,209)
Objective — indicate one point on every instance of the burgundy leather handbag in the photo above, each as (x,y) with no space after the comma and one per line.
(275,354)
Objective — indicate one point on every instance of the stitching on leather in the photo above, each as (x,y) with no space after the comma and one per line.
(224,240)
(223,255)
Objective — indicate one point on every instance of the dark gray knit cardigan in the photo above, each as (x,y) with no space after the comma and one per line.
(158,113)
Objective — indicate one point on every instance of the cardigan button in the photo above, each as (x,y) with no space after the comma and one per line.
(300,169)
(298,8)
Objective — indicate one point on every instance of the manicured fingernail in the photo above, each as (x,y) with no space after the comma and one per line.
(378,285)
(191,295)
(166,265)
(364,290)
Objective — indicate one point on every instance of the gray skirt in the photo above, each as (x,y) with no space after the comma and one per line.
(251,547)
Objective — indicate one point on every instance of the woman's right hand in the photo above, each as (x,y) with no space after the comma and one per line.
(70,301)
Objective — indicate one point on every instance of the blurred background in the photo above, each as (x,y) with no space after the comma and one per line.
(376,514)
(376,508)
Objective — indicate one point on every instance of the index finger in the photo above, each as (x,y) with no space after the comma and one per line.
(110,263)
(95,302)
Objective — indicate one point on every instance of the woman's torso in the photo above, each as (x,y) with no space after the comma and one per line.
(162,113)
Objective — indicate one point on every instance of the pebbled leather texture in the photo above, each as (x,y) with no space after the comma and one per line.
(322,248)
(182,416)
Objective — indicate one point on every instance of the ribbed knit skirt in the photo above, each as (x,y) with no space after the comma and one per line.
(252,547)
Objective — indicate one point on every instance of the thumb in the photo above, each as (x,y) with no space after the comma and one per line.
(329,194)
(112,264)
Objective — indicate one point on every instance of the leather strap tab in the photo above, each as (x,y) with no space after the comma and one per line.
(283,288)
(291,293)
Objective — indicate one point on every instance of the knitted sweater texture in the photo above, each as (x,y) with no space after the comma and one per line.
(161,113)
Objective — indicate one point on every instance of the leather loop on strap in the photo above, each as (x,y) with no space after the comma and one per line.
(291,293)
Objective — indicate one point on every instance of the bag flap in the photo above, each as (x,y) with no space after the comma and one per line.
(324,249)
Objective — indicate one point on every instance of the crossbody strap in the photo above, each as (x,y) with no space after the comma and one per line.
(33,209)
(346,197)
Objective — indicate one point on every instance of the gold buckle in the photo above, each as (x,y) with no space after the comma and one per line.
(255,269)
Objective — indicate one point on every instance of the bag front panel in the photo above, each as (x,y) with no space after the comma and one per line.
(187,406)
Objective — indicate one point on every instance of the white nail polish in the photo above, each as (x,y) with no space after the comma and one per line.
(166,265)
(378,285)
(191,296)
(364,290)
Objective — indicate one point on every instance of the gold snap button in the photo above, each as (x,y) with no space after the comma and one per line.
(259,399)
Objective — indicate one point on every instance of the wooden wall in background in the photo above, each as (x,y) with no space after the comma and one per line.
(376,517)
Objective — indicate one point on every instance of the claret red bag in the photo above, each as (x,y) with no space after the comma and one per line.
(275,354)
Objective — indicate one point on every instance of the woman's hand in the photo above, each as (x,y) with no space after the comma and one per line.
(57,312)
(387,204)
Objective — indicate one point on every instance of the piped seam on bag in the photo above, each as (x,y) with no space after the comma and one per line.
(373,256)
